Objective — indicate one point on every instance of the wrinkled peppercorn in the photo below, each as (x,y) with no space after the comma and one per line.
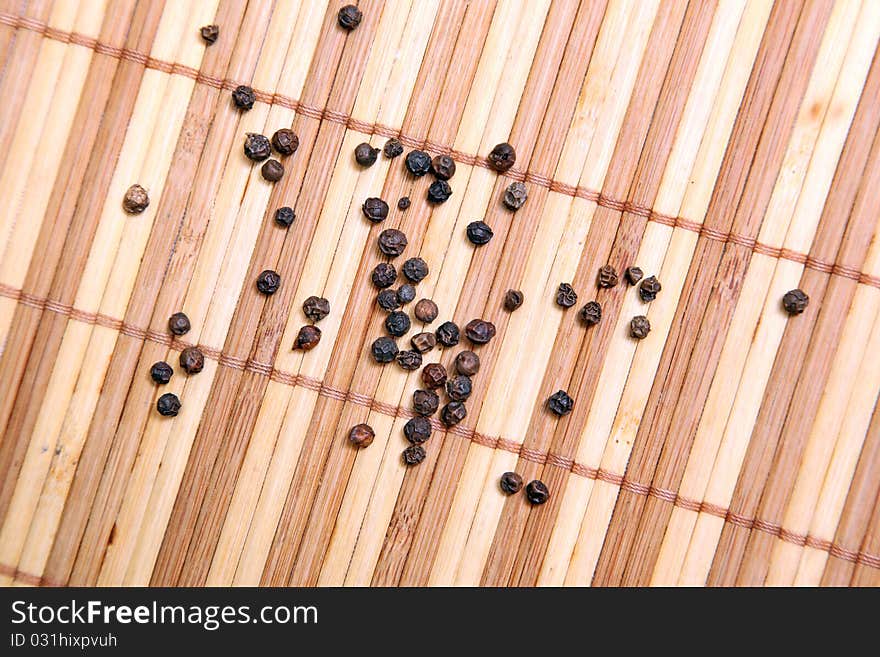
(423,342)
(178,324)
(426,311)
(168,405)
(513,299)
(384,350)
(415,269)
(192,360)
(448,334)
(349,17)
(479,233)
(409,360)
(308,338)
(566,296)
(161,372)
(425,402)
(135,200)
(560,403)
(393,148)
(536,492)
(434,375)
(515,196)
(384,274)
(392,242)
(467,363)
(257,147)
(453,413)
(414,454)
(365,155)
(633,275)
(418,163)
(406,293)
(417,430)
(285,141)
(439,191)
(443,167)
(511,483)
(591,313)
(272,170)
(479,331)
(375,209)
(397,323)
(795,301)
(639,327)
(387,300)
(243,97)
(361,435)
(403,203)
(316,308)
(458,388)
(649,289)
(210,33)
(268,281)
(607,276)
(285,216)
(502,157)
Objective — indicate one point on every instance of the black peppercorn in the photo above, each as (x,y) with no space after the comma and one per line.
(536,492)
(285,216)
(423,342)
(479,331)
(426,311)
(439,191)
(397,323)
(418,163)
(308,338)
(285,141)
(375,209)
(384,275)
(257,147)
(349,17)
(607,276)
(453,413)
(560,403)
(434,375)
(192,360)
(502,157)
(633,275)
(513,299)
(161,372)
(384,350)
(316,308)
(210,33)
(135,200)
(393,148)
(425,402)
(417,430)
(272,170)
(168,405)
(443,167)
(387,300)
(479,233)
(178,324)
(591,313)
(243,97)
(448,334)
(268,282)
(511,483)
(515,196)
(392,242)
(409,360)
(458,388)
(361,435)
(795,301)
(415,269)
(406,293)
(639,327)
(414,454)
(566,296)
(649,289)
(365,155)
(403,203)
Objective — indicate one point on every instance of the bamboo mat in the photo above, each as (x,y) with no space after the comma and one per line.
(729,147)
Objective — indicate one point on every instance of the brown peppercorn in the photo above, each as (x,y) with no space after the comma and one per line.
(423,342)
(417,430)
(795,301)
(375,209)
(393,148)
(425,402)
(515,196)
(479,331)
(178,324)
(285,141)
(443,167)
(467,363)
(607,276)
(392,242)
(536,492)
(426,311)
(591,313)
(459,388)
(365,155)
(349,17)
(649,289)
(161,372)
(256,147)
(192,360)
(453,413)
(268,282)
(639,327)
(168,405)
(409,360)
(272,171)
(243,97)
(384,274)
(566,296)
(384,350)
(633,275)
(316,308)
(414,454)
(513,299)
(135,200)
(448,334)
(308,338)
(434,375)
(511,483)
(210,33)
(361,435)
(502,157)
